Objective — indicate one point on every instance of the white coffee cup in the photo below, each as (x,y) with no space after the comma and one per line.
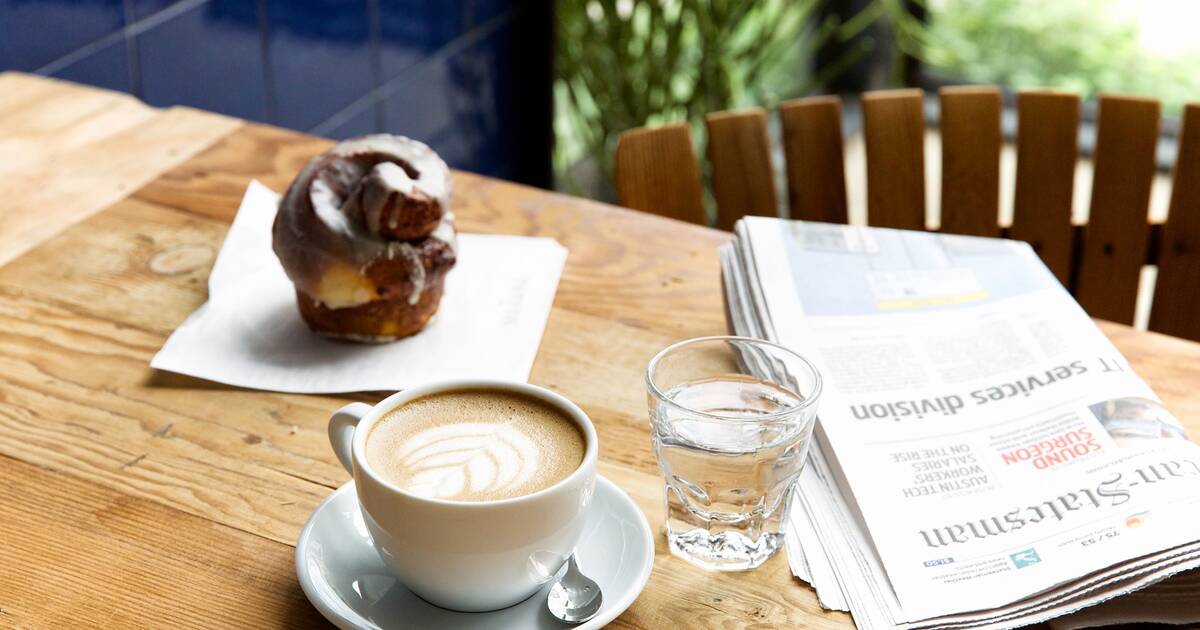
(468,555)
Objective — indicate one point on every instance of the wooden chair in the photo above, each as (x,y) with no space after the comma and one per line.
(1100,262)
(656,172)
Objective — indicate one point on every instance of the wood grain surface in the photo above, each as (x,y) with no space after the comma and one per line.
(71,151)
(816,166)
(1115,238)
(1177,291)
(1047,151)
(656,171)
(894,132)
(136,498)
(970,131)
(739,152)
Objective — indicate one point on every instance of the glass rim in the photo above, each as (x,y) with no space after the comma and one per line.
(805,402)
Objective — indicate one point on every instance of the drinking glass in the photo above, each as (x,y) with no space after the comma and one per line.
(731,419)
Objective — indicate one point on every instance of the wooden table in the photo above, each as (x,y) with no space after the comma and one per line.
(140,498)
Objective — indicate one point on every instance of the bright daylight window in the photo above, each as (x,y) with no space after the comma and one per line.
(1143,47)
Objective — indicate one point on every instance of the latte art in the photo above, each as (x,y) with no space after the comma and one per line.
(469,458)
(474,445)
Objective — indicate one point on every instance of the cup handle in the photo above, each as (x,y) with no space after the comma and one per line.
(341,432)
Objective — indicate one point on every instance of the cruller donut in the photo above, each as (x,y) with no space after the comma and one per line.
(366,235)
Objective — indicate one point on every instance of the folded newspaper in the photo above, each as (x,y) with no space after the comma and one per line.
(985,458)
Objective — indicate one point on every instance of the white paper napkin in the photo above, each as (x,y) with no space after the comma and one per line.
(250,334)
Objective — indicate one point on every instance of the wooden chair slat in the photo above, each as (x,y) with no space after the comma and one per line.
(894,134)
(1114,243)
(1176,307)
(740,153)
(816,169)
(970,132)
(1047,151)
(656,171)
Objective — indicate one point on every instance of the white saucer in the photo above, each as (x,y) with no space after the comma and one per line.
(342,575)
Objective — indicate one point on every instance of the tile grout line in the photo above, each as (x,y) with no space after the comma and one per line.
(169,13)
(128,31)
(455,46)
(133,60)
(81,53)
(392,86)
(270,104)
(375,30)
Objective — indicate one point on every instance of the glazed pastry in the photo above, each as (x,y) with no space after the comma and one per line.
(366,235)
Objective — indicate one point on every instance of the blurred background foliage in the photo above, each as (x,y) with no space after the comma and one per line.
(1085,46)
(629,63)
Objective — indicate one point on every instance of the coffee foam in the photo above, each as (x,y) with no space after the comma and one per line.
(474,445)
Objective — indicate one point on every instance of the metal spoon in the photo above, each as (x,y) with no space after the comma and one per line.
(575,598)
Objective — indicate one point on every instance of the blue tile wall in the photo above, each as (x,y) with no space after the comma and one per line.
(208,57)
(440,71)
(107,67)
(412,30)
(147,8)
(34,33)
(454,103)
(359,124)
(320,58)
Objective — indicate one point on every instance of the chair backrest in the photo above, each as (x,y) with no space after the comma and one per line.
(1101,261)
(816,169)
(894,134)
(1047,152)
(1114,243)
(740,154)
(656,172)
(1176,306)
(971,142)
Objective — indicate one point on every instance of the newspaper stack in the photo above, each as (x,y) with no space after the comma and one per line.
(984,457)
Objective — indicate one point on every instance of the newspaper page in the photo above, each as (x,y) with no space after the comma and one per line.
(994,442)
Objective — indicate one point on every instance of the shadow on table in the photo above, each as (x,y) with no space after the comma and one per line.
(161,379)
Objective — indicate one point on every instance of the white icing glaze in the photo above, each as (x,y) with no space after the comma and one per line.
(377,188)
(417,154)
(416,271)
(444,231)
(394,177)
(343,235)
(326,204)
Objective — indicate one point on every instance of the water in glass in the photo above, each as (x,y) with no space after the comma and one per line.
(729,474)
